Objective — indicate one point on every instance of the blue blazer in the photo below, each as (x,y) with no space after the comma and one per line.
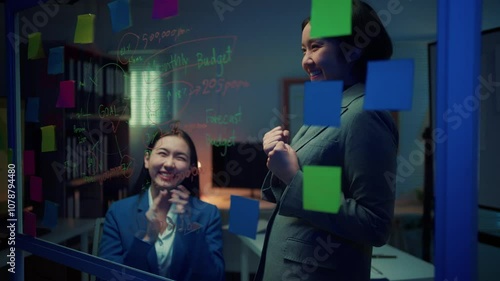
(197,247)
(308,245)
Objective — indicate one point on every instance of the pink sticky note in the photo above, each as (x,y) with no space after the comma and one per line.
(165,8)
(36,189)
(29,223)
(66,94)
(29,162)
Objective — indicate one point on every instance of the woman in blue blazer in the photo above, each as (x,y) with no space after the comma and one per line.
(305,245)
(166,229)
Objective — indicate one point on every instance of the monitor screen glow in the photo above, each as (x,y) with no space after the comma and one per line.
(242,165)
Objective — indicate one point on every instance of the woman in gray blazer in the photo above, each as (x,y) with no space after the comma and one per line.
(307,245)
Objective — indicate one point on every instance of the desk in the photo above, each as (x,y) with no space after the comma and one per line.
(65,230)
(405,267)
(221,197)
(407,216)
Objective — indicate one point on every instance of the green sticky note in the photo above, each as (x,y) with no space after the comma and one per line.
(331,18)
(48,138)
(84,32)
(321,190)
(35,47)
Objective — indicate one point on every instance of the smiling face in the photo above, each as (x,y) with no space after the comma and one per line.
(323,59)
(168,163)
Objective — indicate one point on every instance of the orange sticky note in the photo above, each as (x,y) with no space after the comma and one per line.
(29,162)
(36,189)
(66,97)
(84,32)
(48,138)
(35,47)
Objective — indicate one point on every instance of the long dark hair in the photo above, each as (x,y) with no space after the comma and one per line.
(191,182)
(379,46)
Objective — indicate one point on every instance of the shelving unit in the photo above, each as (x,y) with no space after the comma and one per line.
(90,166)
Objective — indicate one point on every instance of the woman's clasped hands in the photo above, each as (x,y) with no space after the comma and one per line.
(157,214)
(281,157)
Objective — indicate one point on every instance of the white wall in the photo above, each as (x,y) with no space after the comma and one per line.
(489,150)
(413,122)
(487,260)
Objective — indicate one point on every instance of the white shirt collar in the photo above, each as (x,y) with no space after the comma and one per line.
(165,242)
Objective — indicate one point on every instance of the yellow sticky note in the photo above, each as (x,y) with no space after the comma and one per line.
(322,188)
(331,18)
(35,47)
(84,32)
(48,138)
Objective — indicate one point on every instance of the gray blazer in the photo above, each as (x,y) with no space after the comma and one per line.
(307,245)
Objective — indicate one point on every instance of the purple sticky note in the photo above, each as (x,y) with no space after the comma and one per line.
(29,162)
(29,223)
(36,189)
(243,216)
(389,85)
(322,101)
(66,97)
(165,8)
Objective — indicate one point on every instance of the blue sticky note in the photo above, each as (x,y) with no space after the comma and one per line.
(56,61)
(389,85)
(243,216)
(50,214)
(322,102)
(120,15)
(165,8)
(32,107)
